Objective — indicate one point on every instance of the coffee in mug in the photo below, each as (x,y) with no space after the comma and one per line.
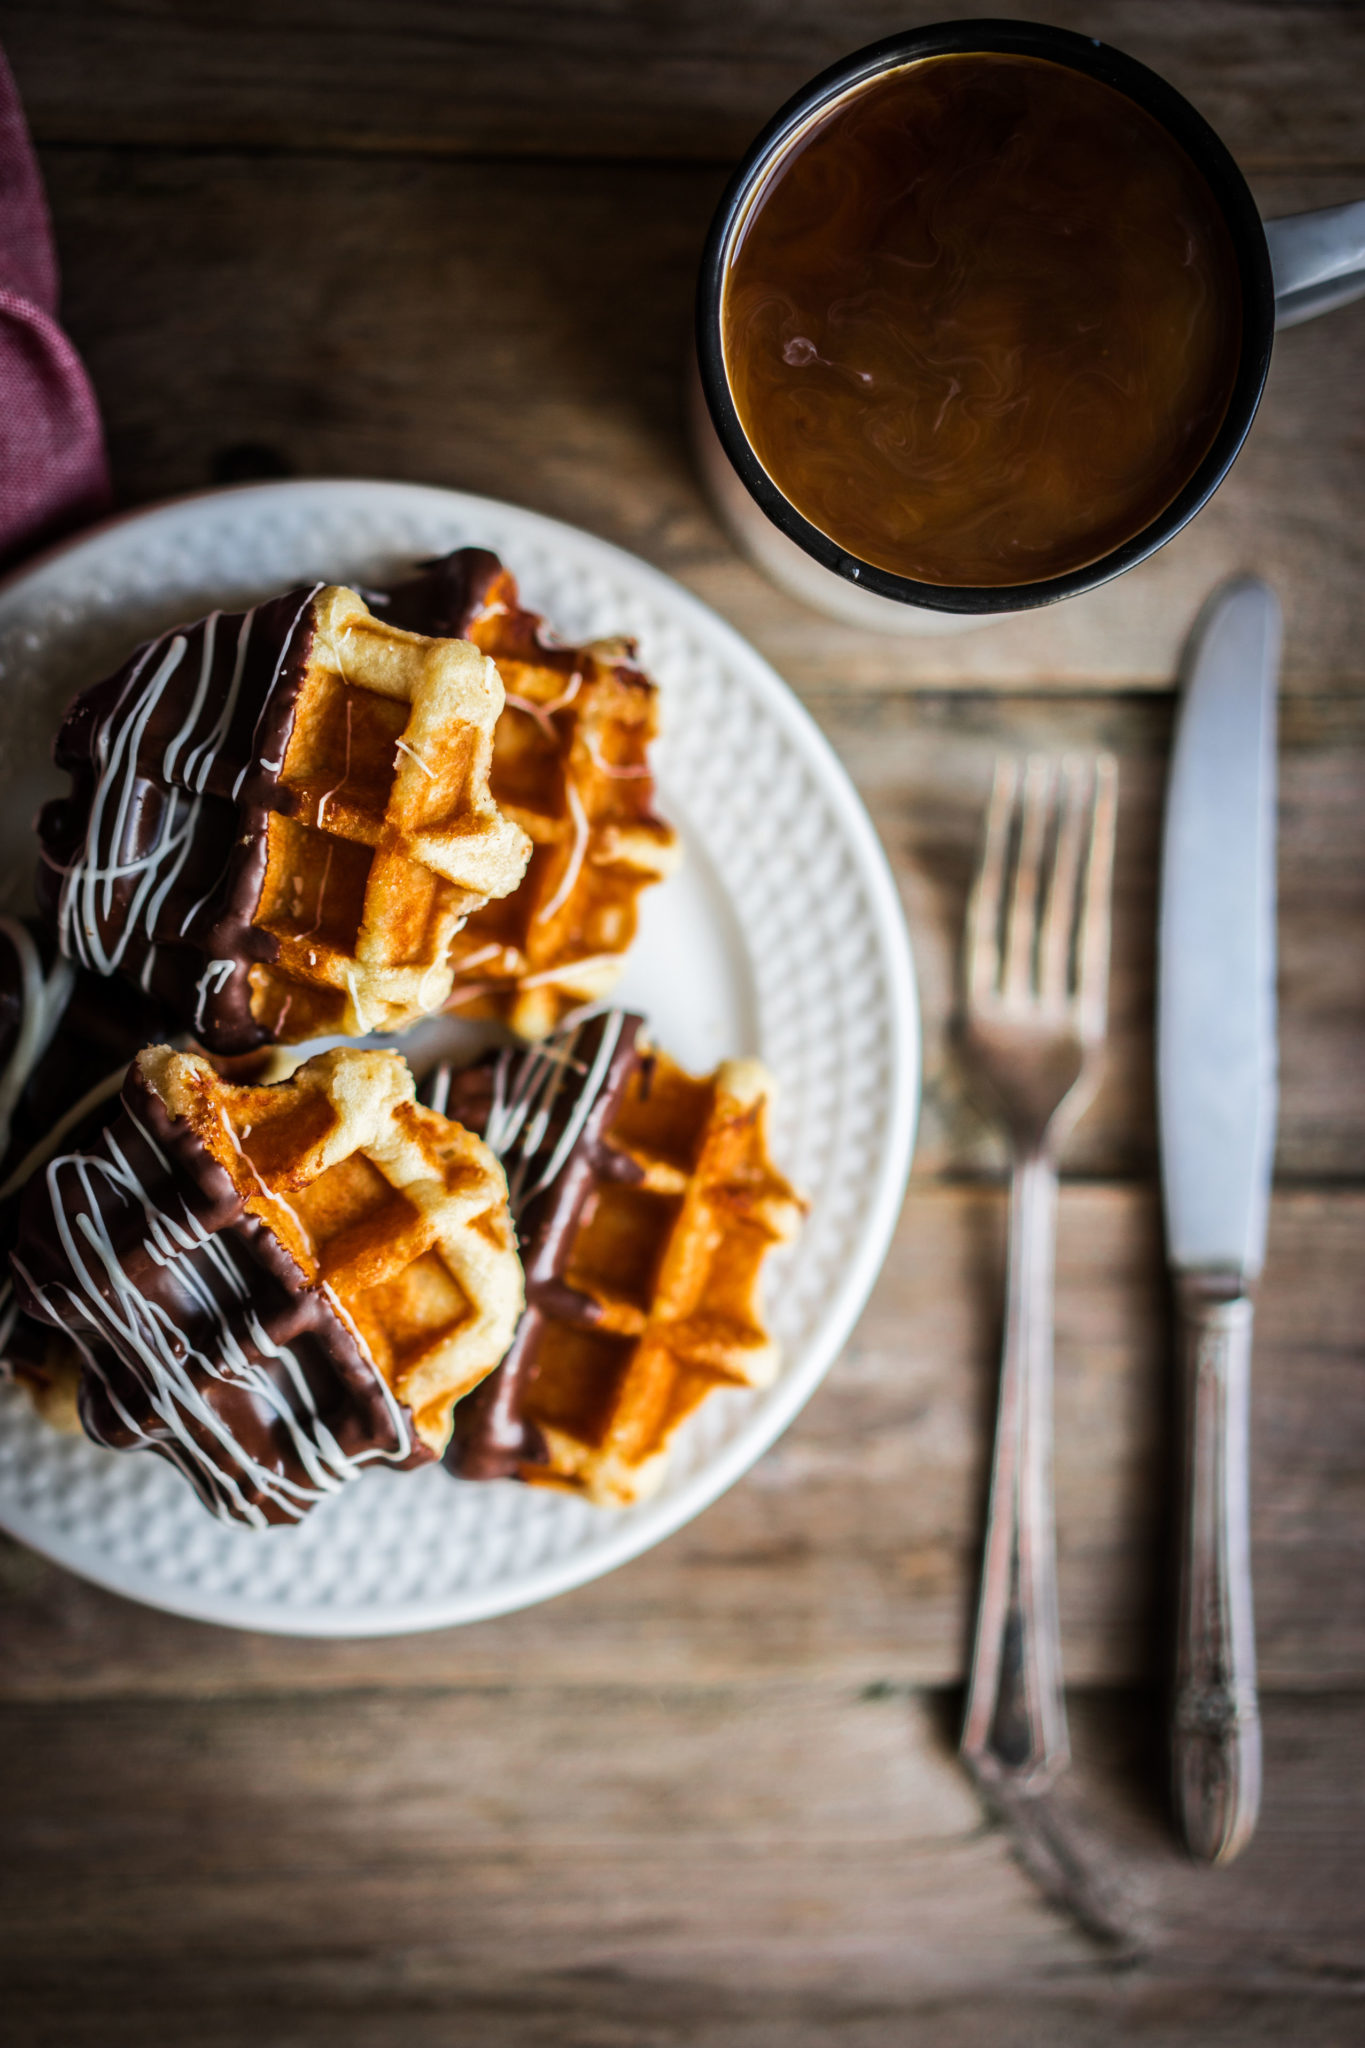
(981,320)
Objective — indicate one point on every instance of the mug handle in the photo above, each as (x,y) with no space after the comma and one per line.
(1318,261)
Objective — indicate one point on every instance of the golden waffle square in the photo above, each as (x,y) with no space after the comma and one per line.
(571,766)
(646,1202)
(398,1213)
(279,821)
(273,1286)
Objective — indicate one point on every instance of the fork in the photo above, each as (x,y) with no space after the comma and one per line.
(1036,971)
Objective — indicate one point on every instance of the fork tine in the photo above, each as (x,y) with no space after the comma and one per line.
(1092,947)
(983,911)
(1061,910)
(1021,929)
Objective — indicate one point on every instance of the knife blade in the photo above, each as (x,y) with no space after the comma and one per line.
(1216,991)
(1216,1068)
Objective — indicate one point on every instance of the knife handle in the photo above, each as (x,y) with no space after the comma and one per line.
(1216,1738)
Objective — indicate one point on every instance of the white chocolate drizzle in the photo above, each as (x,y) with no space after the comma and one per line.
(520,1118)
(577,852)
(116,812)
(619,771)
(157,1351)
(543,713)
(402,747)
(566,974)
(214,977)
(483,955)
(42,999)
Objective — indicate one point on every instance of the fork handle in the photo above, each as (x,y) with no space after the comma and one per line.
(1216,1737)
(1014,1734)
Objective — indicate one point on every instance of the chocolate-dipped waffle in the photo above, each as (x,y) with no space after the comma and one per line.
(645,1202)
(272,1287)
(571,766)
(66,1038)
(63,1032)
(279,820)
(35,988)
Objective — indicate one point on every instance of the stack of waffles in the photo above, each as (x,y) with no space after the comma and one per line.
(571,766)
(330,816)
(279,821)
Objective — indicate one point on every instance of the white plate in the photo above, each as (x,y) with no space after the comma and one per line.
(781,936)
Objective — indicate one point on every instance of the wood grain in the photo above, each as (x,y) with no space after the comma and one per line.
(706,1803)
(522,330)
(480,1826)
(606,79)
(851,1551)
(605,2009)
(631,1861)
(923,766)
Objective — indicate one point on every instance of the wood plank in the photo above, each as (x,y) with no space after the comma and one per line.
(924,765)
(334,1865)
(468,1839)
(607,2009)
(699,1803)
(1281,82)
(522,330)
(850,1553)
(1291,1909)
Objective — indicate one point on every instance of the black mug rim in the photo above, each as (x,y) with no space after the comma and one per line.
(1200,142)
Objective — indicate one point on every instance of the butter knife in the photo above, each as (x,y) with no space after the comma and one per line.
(1216,1111)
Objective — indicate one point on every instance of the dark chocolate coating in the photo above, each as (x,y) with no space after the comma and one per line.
(469,595)
(493,1437)
(208,1290)
(446,595)
(175,775)
(179,777)
(100,1028)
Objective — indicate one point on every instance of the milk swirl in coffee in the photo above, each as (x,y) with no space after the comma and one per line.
(982,320)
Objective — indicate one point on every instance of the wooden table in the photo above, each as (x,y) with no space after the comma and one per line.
(713,1798)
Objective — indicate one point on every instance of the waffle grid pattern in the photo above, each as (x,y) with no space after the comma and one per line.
(398,1213)
(609,1392)
(394,837)
(836,1025)
(569,768)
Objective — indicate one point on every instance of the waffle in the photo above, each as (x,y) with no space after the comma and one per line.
(279,821)
(273,1287)
(63,1031)
(571,766)
(66,1038)
(46,1365)
(646,1203)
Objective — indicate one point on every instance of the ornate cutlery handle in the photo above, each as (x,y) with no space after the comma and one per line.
(1014,1734)
(1216,1740)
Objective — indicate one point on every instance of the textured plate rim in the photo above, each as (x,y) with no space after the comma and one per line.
(807,1368)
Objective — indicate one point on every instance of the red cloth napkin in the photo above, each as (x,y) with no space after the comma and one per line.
(53,474)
